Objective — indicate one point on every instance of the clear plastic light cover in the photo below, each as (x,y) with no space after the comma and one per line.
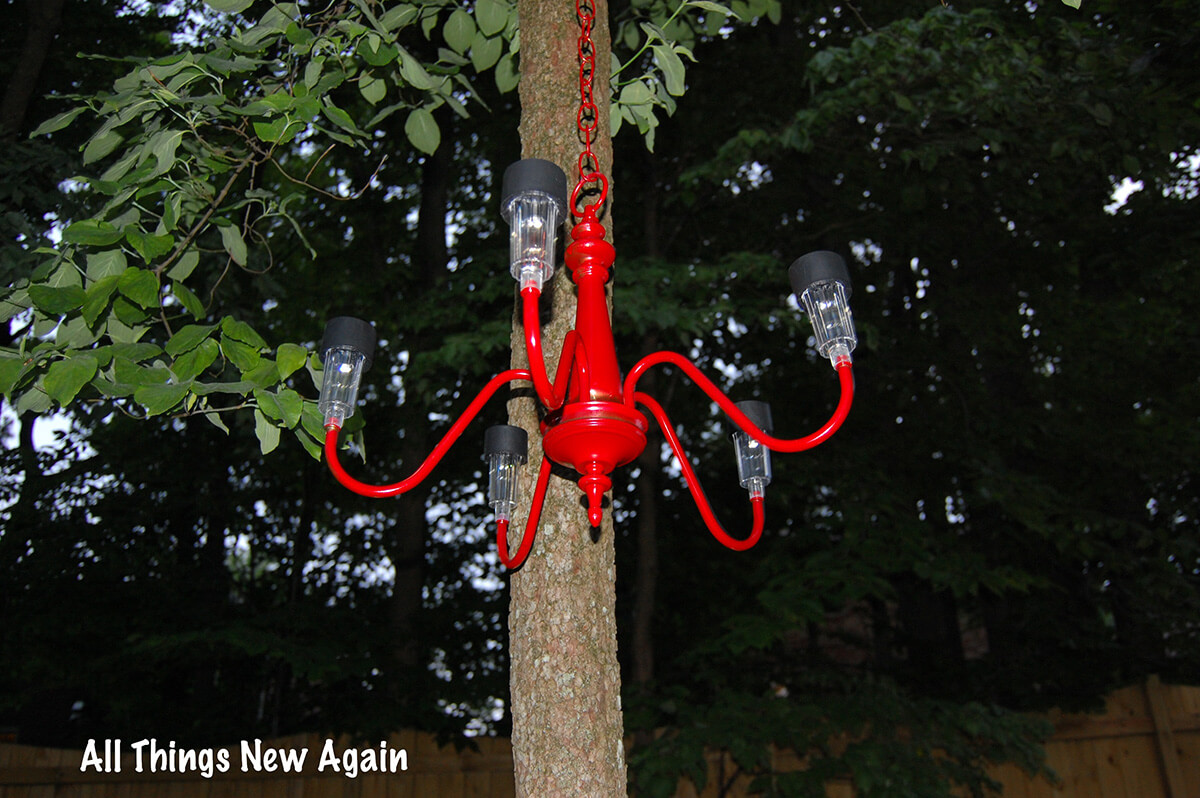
(502,483)
(533,217)
(833,326)
(339,385)
(753,464)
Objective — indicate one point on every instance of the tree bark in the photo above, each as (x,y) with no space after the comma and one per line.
(565,681)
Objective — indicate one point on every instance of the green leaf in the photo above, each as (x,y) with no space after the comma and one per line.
(485,52)
(1072,3)
(459,31)
(149,245)
(672,68)
(422,130)
(57,122)
(98,295)
(121,333)
(158,399)
(184,267)
(340,118)
(10,372)
(108,263)
(92,233)
(491,16)
(229,6)
(129,313)
(372,88)
(291,404)
(507,75)
(262,375)
(413,72)
(135,353)
(268,433)
(188,338)
(235,245)
(280,130)
(710,6)
(244,357)
(65,377)
(162,145)
(289,358)
(312,420)
(215,420)
(56,301)
(191,364)
(636,93)
(241,331)
(188,299)
(35,400)
(140,286)
(398,16)
(101,144)
(268,404)
(311,446)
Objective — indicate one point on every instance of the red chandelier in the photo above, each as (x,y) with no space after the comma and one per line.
(591,422)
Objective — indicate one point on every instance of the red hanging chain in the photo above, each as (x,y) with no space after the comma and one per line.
(588,118)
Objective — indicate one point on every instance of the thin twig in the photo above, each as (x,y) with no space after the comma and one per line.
(862,21)
(200,225)
(317,162)
(325,192)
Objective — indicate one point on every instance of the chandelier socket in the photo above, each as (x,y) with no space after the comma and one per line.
(505,447)
(533,202)
(347,350)
(822,284)
(753,458)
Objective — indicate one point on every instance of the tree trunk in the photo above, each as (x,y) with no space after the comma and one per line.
(565,680)
(44,18)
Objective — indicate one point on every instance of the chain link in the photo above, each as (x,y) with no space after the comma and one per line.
(588,118)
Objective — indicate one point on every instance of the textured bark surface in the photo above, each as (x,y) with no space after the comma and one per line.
(566,683)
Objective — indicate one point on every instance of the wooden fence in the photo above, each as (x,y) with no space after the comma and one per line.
(1145,745)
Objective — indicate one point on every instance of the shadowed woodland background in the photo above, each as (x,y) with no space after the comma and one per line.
(1007,522)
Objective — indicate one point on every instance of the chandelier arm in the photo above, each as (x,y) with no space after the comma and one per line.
(823,433)
(573,357)
(530,318)
(571,363)
(693,483)
(439,451)
(531,523)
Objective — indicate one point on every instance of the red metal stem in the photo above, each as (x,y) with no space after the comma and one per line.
(439,451)
(573,357)
(845,377)
(693,483)
(531,523)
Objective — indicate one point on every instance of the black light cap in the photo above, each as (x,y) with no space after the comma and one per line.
(817,267)
(534,174)
(347,332)
(506,439)
(758,412)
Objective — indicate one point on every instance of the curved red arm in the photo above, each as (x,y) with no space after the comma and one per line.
(531,524)
(573,356)
(439,451)
(693,483)
(845,377)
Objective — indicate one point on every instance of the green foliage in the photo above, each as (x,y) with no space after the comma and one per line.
(182,144)
(991,514)
(659,35)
